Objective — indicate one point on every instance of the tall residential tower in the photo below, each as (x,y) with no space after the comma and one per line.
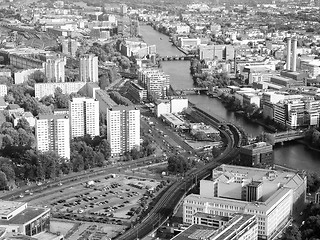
(123,129)
(84,117)
(88,68)
(53,134)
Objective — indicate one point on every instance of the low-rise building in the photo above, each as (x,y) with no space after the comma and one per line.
(18,217)
(240,227)
(257,154)
(26,115)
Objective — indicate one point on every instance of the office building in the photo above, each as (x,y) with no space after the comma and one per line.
(213,227)
(218,52)
(123,129)
(156,82)
(269,194)
(84,117)
(88,68)
(257,154)
(19,218)
(53,134)
(54,69)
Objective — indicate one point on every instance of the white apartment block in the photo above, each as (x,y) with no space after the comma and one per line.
(156,82)
(88,68)
(54,69)
(3,90)
(53,134)
(270,195)
(84,117)
(123,129)
(45,89)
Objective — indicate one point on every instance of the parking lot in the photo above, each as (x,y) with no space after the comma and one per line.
(116,199)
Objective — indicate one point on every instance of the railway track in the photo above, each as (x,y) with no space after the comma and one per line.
(164,207)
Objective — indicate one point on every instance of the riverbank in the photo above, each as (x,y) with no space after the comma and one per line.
(305,143)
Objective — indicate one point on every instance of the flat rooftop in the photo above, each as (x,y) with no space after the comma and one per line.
(211,216)
(195,232)
(25,216)
(6,207)
(173,119)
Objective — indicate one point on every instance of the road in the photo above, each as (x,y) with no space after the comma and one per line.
(164,207)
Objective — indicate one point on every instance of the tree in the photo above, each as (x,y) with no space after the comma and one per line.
(215,152)
(7,168)
(104,148)
(61,100)
(3,181)
(77,162)
(104,81)
(200,135)
(135,154)
(23,124)
(98,159)
(292,233)
(178,164)
(38,76)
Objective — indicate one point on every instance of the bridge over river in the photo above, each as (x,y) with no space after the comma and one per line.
(282,137)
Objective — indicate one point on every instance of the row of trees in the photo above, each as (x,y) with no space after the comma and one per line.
(119,99)
(27,163)
(146,149)
(313,137)
(309,230)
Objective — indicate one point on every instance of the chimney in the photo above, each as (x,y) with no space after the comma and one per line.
(294,54)
(288,53)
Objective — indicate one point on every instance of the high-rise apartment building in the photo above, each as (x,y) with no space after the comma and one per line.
(123,129)
(69,46)
(84,117)
(88,68)
(54,69)
(53,134)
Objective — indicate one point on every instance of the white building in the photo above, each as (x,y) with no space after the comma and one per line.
(156,82)
(123,129)
(3,90)
(54,69)
(88,68)
(53,134)
(270,195)
(174,105)
(84,117)
(45,89)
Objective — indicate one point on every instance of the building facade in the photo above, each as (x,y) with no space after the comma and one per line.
(88,68)
(54,69)
(270,195)
(257,154)
(84,117)
(45,89)
(123,129)
(53,134)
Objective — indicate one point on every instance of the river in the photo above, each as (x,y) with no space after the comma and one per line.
(291,154)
